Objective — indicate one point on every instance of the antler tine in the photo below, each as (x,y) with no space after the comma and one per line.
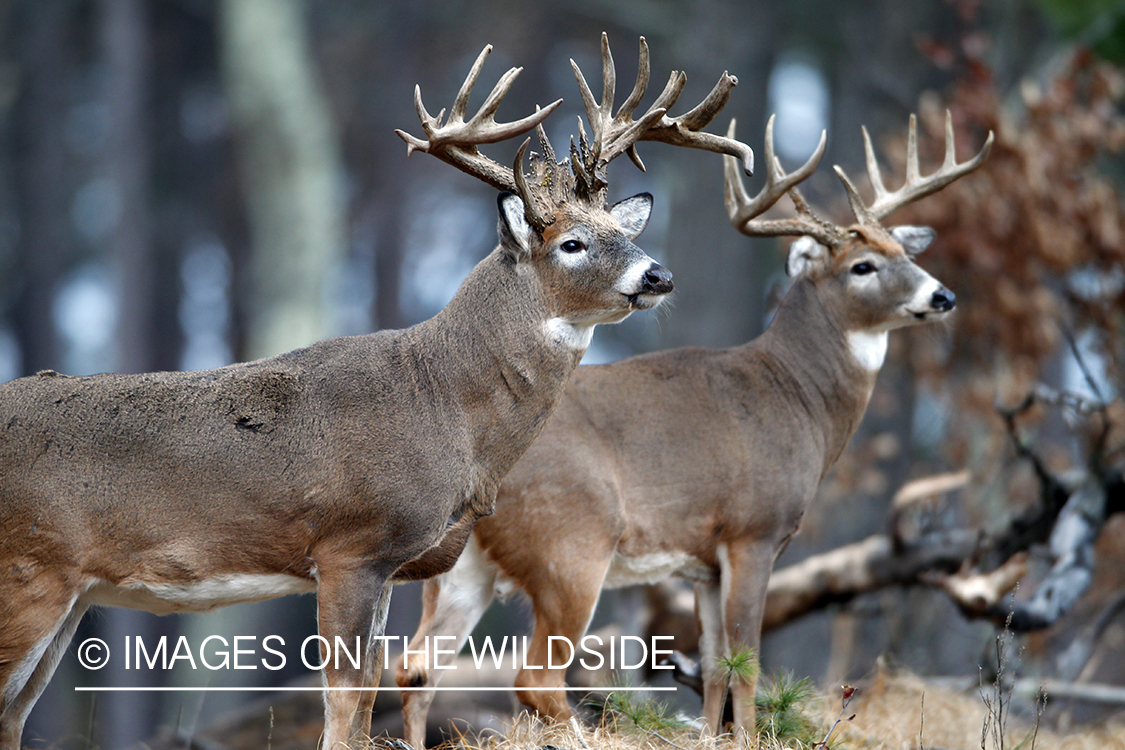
(599,114)
(545,144)
(624,138)
(855,200)
(704,112)
(677,79)
(456,141)
(618,134)
(736,199)
(685,130)
(609,77)
(913,168)
(612,134)
(873,173)
(638,92)
(743,210)
(916,186)
(461,102)
(640,86)
(531,211)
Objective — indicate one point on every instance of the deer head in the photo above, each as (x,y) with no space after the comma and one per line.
(556,216)
(864,273)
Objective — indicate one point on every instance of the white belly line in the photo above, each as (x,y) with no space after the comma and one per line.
(162,597)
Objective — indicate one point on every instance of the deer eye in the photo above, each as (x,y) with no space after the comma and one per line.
(572,246)
(863,268)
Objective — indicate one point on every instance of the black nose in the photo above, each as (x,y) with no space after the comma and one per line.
(943,300)
(658,280)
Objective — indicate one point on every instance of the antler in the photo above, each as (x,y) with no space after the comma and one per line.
(616,134)
(456,141)
(743,211)
(916,186)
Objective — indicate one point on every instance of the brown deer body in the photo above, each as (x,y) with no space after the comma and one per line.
(337,468)
(324,469)
(692,462)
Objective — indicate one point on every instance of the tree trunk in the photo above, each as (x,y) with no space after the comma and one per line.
(290,167)
(124,36)
(124,31)
(40,167)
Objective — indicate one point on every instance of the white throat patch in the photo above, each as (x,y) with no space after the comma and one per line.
(570,335)
(869,348)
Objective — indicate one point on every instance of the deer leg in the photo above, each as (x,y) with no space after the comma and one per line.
(19,709)
(712,646)
(562,608)
(351,603)
(452,604)
(745,573)
(373,662)
(37,624)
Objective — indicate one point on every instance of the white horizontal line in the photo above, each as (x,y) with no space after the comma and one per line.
(365,689)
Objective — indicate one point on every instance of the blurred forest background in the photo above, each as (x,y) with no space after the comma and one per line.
(188,183)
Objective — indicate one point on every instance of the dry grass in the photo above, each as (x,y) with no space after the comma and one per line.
(527,733)
(903,712)
(892,712)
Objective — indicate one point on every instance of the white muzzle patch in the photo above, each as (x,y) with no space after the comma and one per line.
(922,304)
(633,280)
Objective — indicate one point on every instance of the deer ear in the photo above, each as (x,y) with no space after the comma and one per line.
(804,253)
(515,233)
(913,239)
(632,214)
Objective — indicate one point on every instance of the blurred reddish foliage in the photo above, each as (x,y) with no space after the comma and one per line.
(1033,243)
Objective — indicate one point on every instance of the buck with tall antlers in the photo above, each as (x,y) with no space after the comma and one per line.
(694,462)
(337,468)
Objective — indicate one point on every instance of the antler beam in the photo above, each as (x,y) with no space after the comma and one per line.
(456,141)
(743,210)
(613,135)
(916,186)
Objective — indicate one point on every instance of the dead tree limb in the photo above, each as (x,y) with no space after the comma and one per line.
(846,572)
(976,569)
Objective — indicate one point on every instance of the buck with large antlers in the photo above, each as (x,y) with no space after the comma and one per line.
(337,468)
(694,462)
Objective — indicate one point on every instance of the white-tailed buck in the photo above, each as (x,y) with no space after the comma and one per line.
(337,468)
(695,462)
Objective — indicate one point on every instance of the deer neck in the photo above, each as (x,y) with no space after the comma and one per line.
(508,367)
(831,370)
